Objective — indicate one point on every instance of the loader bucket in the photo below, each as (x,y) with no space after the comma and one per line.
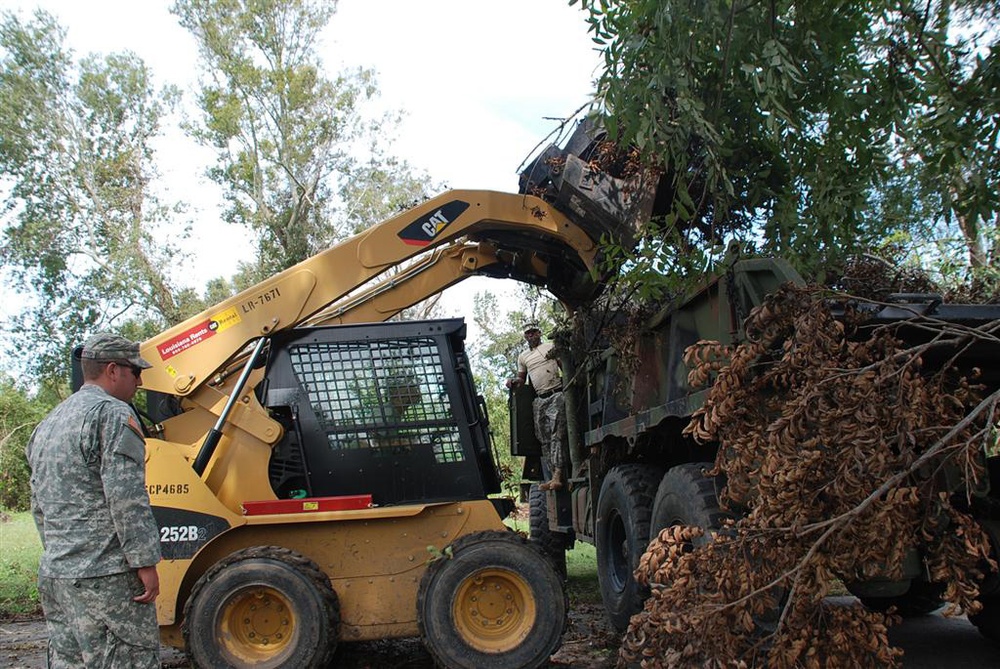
(609,203)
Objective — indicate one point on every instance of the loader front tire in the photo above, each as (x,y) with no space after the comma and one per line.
(624,509)
(262,607)
(491,601)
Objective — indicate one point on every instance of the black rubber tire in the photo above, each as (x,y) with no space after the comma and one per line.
(685,496)
(464,604)
(552,544)
(923,598)
(223,626)
(987,621)
(624,509)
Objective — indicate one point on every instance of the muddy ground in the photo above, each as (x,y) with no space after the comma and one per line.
(588,643)
(929,642)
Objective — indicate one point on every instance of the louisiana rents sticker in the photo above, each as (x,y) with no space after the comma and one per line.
(425,229)
(198,333)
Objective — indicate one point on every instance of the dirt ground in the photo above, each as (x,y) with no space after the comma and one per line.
(588,643)
(929,642)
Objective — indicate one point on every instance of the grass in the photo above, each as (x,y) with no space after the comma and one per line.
(20,550)
(581,575)
(581,566)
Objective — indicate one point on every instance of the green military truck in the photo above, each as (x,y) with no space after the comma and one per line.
(635,472)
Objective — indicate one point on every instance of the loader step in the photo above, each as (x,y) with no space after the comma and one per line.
(307,504)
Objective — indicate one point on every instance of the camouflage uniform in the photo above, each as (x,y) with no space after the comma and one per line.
(548,409)
(89,501)
(550,428)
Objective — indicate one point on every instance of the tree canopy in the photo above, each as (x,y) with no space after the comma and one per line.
(87,237)
(813,129)
(288,137)
(81,213)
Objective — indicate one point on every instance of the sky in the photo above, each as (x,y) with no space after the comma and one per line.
(477,80)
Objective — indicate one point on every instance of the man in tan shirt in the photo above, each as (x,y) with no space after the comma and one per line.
(538,366)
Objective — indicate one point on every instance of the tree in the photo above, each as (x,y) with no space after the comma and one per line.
(494,358)
(502,329)
(287,136)
(809,126)
(80,214)
(20,412)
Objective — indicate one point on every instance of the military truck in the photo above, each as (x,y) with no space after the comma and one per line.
(635,472)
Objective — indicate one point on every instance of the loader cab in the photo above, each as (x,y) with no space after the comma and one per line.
(386,409)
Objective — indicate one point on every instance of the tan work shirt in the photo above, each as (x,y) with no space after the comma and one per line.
(539,368)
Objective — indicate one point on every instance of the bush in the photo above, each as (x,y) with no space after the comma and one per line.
(19,414)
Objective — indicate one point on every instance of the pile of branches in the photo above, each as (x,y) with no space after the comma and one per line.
(834,446)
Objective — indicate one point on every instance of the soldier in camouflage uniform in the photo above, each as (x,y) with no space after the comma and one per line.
(97,579)
(539,366)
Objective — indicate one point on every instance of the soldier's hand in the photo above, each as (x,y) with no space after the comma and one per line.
(151,581)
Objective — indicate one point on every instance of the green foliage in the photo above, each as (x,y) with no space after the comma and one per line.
(22,550)
(79,215)
(502,329)
(287,137)
(494,358)
(815,129)
(19,414)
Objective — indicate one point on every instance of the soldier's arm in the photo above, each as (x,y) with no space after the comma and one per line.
(39,516)
(123,476)
(36,508)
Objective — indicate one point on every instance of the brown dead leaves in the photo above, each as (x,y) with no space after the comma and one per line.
(844,453)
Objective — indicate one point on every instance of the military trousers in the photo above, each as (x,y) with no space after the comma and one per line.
(550,427)
(93,623)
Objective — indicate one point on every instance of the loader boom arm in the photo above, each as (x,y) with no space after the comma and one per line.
(186,355)
(427,276)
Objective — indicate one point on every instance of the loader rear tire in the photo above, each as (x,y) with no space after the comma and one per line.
(553,544)
(262,607)
(492,601)
(624,509)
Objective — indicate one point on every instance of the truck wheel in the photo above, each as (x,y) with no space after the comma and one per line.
(987,621)
(491,602)
(262,607)
(686,496)
(621,537)
(553,544)
(921,599)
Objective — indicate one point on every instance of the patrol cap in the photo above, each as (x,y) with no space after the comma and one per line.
(104,346)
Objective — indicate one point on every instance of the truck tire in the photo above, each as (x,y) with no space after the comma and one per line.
(552,544)
(491,602)
(621,536)
(262,607)
(921,599)
(685,496)
(987,621)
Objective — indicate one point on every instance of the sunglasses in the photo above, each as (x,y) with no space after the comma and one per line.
(136,369)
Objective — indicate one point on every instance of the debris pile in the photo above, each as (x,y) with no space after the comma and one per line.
(836,448)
